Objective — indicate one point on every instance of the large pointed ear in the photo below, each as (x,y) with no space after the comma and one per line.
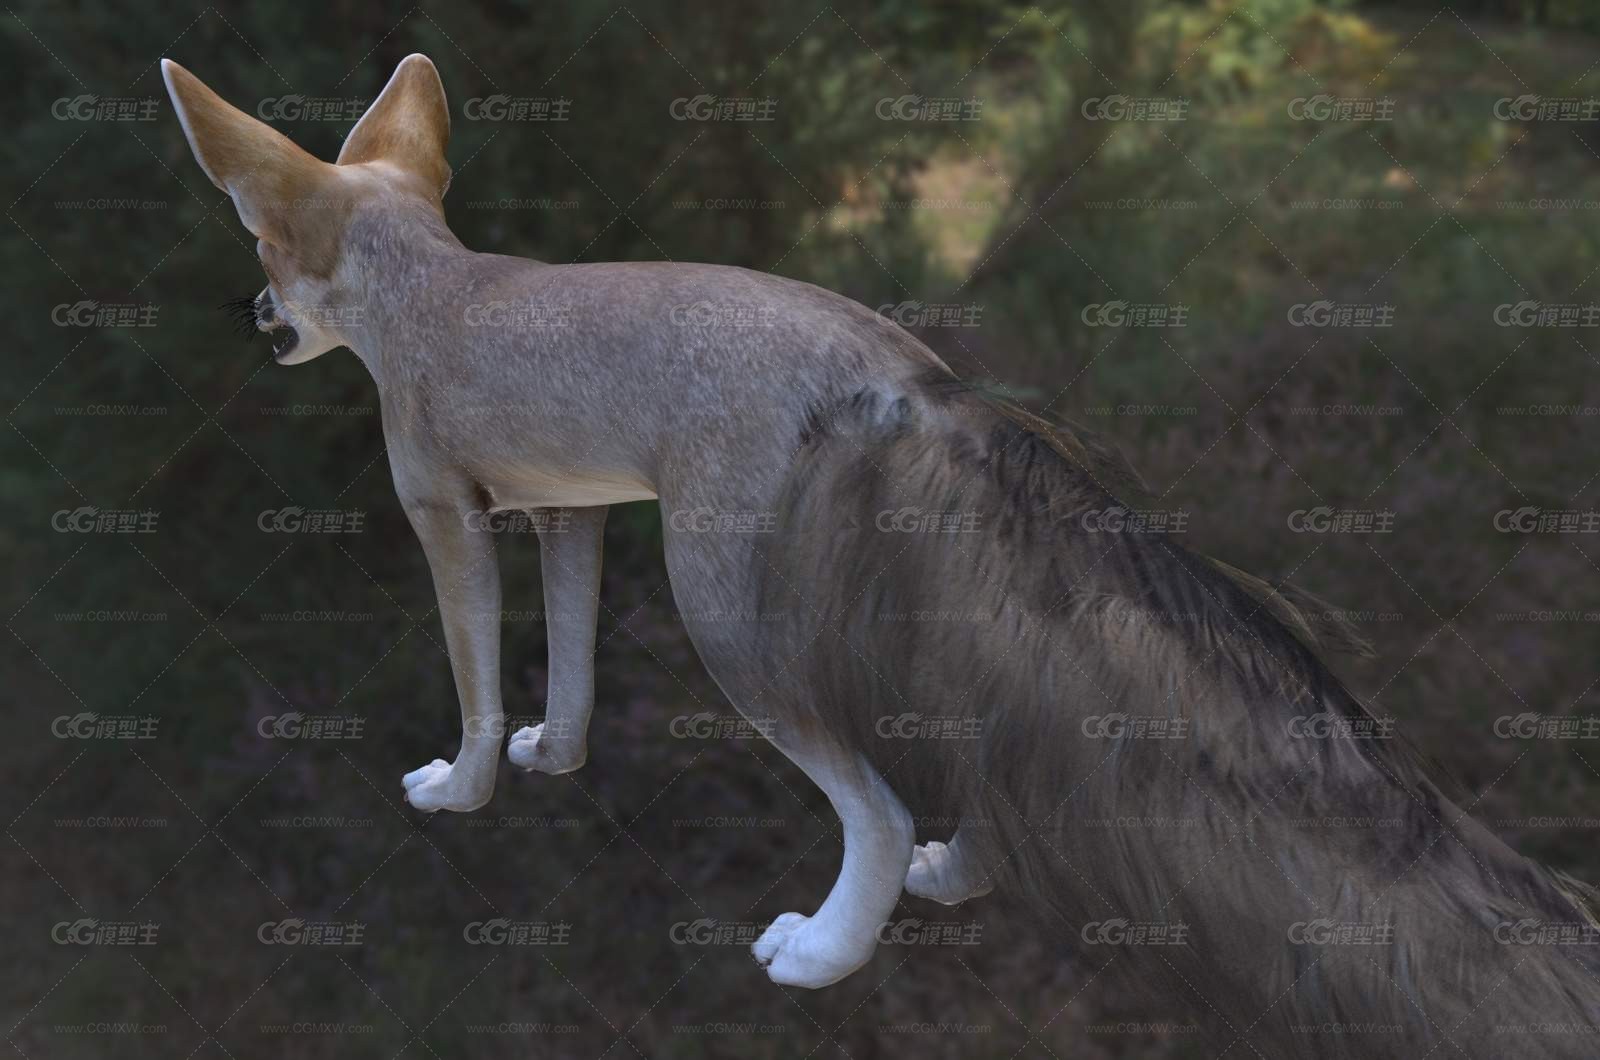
(408,125)
(255,164)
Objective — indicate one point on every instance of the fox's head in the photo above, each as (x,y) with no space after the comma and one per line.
(301,209)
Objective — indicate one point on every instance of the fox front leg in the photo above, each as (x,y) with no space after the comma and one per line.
(466,582)
(569,565)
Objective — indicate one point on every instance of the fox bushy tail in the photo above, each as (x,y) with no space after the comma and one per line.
(1143,747)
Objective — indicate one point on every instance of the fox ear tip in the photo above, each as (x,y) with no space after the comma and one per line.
(173,74)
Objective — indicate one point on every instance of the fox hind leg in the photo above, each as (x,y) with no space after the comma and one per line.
(817,950)
(947,872)
(715,578)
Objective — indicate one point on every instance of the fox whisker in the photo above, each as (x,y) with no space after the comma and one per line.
(242,311)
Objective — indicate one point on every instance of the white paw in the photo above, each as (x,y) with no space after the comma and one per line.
(532,749)
(438,786)
(935,874)
(797,950)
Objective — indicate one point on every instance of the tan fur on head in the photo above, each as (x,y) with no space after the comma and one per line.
(301,204)
(408,126)
(283,195)
(301,208)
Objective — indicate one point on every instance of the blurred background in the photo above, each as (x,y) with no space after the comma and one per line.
(1289,255)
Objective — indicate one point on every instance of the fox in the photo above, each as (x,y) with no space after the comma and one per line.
(807,454)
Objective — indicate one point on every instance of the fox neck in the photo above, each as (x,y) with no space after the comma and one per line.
(400,267)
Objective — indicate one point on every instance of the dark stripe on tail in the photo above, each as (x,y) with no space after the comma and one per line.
(1044,680)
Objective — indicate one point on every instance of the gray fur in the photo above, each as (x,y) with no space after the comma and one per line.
(731,392)
(1052,645)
